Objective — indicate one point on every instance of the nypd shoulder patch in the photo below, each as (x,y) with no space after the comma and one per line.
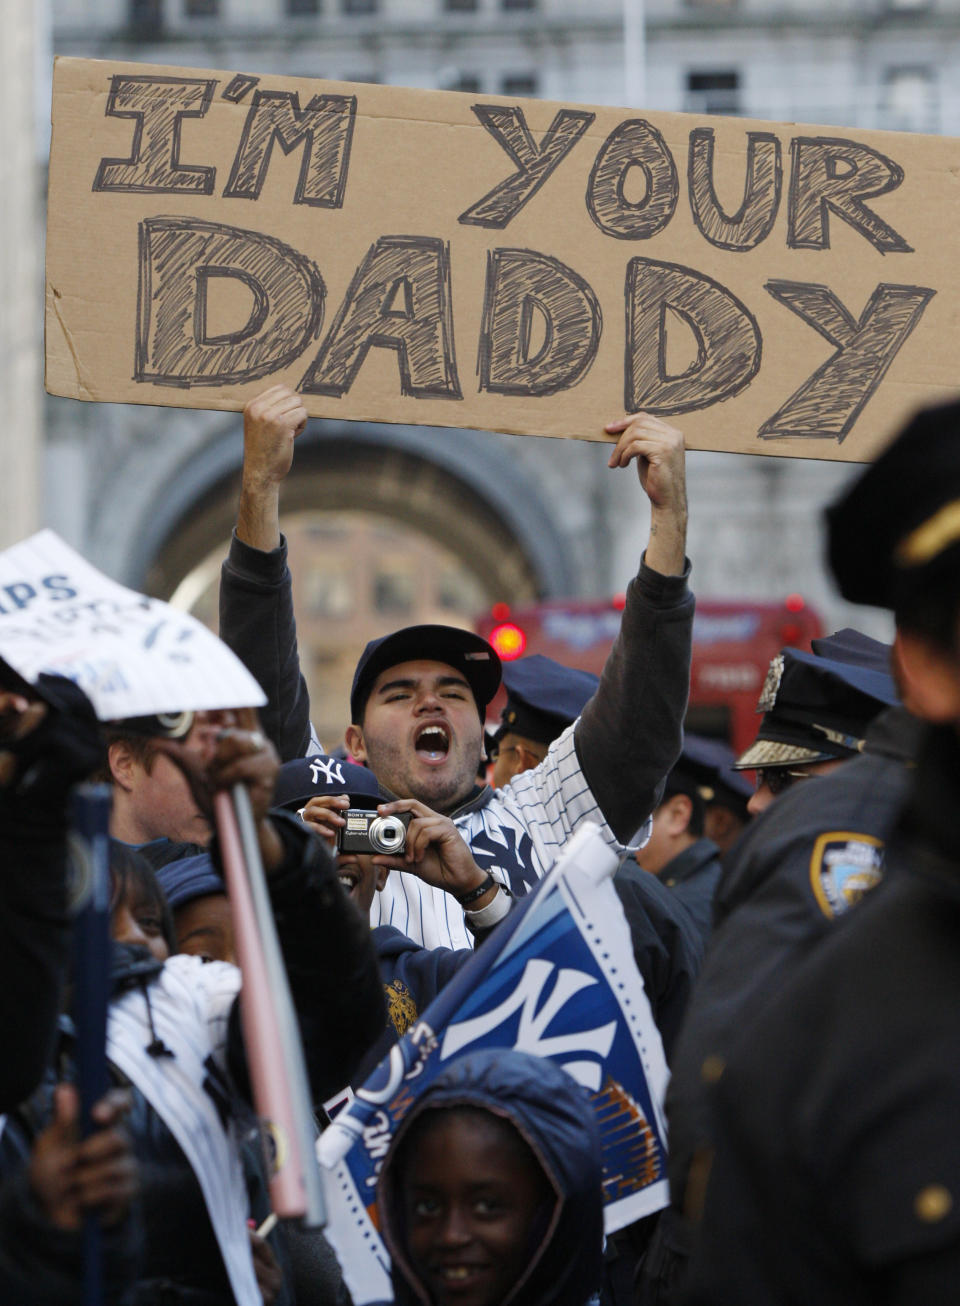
(845,865)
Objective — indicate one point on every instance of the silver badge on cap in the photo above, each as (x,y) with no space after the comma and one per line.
(771,686)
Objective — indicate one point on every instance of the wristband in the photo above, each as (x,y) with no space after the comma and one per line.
(464,899)
(492,914)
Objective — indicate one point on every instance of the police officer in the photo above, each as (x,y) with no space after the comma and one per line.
(543,698)
(815,711)
(835,1174)
(802,863)
(677,852)
(725,791)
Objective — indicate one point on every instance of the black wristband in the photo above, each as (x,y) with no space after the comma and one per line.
(465,899)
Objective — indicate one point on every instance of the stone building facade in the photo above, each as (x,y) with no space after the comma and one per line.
(148,493)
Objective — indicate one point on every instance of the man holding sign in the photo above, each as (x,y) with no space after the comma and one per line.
(419,695)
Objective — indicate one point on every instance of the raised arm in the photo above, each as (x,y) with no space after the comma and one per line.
(256,600)
(631,731)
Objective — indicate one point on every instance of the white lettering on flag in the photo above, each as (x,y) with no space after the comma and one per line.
(531,1036)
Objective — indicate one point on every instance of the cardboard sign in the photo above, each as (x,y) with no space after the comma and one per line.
(131,655)
(448,259)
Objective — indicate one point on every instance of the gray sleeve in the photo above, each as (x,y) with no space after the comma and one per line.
(631,732)
(257,623)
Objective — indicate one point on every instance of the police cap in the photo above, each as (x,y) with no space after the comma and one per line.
(898,527)
(853,646)
(543,698)
(815,709)
(710,765)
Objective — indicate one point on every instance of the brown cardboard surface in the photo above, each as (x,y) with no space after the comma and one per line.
(523,266)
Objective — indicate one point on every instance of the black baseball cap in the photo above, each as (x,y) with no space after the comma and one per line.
(466,652)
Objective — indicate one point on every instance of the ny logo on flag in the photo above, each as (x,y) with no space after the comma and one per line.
(536,1016)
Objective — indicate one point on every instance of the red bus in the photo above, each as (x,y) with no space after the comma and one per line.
(733,643)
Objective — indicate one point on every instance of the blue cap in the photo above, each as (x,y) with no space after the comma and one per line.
(815,709)
(473,657)
(853,646)
(711,762)
(189,878)
(543,698)
(310,777)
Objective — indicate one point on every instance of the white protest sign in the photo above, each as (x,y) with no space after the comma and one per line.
(130,654)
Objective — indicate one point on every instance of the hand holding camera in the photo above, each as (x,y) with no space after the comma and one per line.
(436,852)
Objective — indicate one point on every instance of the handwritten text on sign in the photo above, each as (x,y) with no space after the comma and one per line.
(424,256)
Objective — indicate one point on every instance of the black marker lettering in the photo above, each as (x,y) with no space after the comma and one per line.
(179,258)
(634,144)
(158,106)
(535,161)
(399,299)
(830,174)
(524,290)
(827,405)
(239,86)
(754,219)
(324,129)
(728,339)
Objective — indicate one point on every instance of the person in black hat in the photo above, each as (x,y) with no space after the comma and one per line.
(836,1171)
(677,851)
(725,791)
(816,711)
(322,790)
(543,698)
(802,863)
(419,695)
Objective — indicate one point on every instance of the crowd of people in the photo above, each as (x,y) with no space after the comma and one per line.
(792,914)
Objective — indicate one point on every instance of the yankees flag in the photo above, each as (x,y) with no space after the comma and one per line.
(558,980)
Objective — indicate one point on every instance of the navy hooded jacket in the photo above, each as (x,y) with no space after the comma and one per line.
(553,1115)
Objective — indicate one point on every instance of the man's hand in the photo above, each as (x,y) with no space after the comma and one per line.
(240,754)
(659,453)
(322,814)
(436,853)
(70,1178)
(271,423)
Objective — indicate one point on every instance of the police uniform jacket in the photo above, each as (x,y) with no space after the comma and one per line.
(836,1175)
(798,868)
(692,877)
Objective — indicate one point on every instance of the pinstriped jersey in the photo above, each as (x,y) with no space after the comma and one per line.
(516,836)
(189,1008)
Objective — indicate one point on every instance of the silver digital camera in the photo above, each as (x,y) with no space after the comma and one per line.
(367,832)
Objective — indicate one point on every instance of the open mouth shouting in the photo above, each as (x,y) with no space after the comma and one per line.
(432,743)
